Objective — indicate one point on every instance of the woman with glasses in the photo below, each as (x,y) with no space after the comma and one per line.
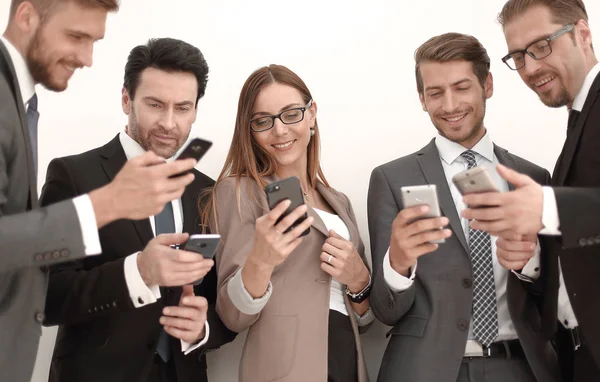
(302,298)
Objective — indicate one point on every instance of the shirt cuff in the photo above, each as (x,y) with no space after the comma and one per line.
(531,270)
(242,300)
(550,219)
(365,319)
(188,348)
(140,293)
(394,280)
(87,222)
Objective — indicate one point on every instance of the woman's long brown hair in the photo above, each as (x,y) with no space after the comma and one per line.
(246,158)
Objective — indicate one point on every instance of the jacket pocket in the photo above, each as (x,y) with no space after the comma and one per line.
(409,326)
(270,348)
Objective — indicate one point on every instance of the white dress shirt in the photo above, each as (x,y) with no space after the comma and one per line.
(140,293)
(453,163)
(550,219)
(336,296)
(83,204)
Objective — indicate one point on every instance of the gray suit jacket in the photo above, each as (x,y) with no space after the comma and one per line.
(430,320)
(30,238)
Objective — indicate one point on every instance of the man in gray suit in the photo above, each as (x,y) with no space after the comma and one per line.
(456,314)
(44,43)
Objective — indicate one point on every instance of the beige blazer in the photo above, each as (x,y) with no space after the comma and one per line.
(287,339)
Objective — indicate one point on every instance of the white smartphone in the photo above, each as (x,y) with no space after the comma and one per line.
(205,244)
(413,196)
(477,179)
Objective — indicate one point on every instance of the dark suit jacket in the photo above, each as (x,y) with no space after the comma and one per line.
(30,237)
(576,182)
(430,320)
(102,336)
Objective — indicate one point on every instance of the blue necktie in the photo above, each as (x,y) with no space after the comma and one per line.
(32,123)
(164,223)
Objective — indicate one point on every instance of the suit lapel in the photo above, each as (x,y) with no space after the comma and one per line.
(113,159)
(566,157)
(431,165)
(9,72)
(341,209)
(506,159)
(317,221)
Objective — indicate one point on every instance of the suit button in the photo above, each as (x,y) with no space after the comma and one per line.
(462,325)
(114,304)
(64,253)
(597,239)
(39,257)
(47,256)
(40,317)
(95,309)
(56,254)
(591,241)
(467,283)
(90,310)
(582,242)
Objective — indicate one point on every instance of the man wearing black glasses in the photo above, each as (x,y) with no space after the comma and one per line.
(550,46)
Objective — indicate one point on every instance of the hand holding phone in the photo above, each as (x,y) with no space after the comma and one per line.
(413,196)
(288,188)
(206,245)
(415,231)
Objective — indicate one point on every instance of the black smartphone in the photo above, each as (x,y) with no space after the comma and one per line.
(195,149)
(206,245)
(288,188)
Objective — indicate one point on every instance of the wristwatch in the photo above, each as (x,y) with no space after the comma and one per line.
(360,296)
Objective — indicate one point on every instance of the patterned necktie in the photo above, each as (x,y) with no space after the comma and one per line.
(164,223)
(32,123)
(485,315)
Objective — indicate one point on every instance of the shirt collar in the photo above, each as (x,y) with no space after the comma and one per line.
(585,89)
(450,150)
(132,148)
(26,83)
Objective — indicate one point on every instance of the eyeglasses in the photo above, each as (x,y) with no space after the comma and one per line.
(287,117)
(536,50)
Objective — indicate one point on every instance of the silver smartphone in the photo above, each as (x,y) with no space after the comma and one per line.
(206,245)
(413,196)
(477,179)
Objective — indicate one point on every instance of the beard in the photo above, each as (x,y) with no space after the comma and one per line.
(39,62)
(144,137)
(466,135)
(560,100)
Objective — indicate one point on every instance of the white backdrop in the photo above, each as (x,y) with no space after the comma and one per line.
(355,56)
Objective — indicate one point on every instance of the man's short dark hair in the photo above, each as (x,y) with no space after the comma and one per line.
(449,47)
(169,55)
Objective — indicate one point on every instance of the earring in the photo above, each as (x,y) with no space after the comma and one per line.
(312,131)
